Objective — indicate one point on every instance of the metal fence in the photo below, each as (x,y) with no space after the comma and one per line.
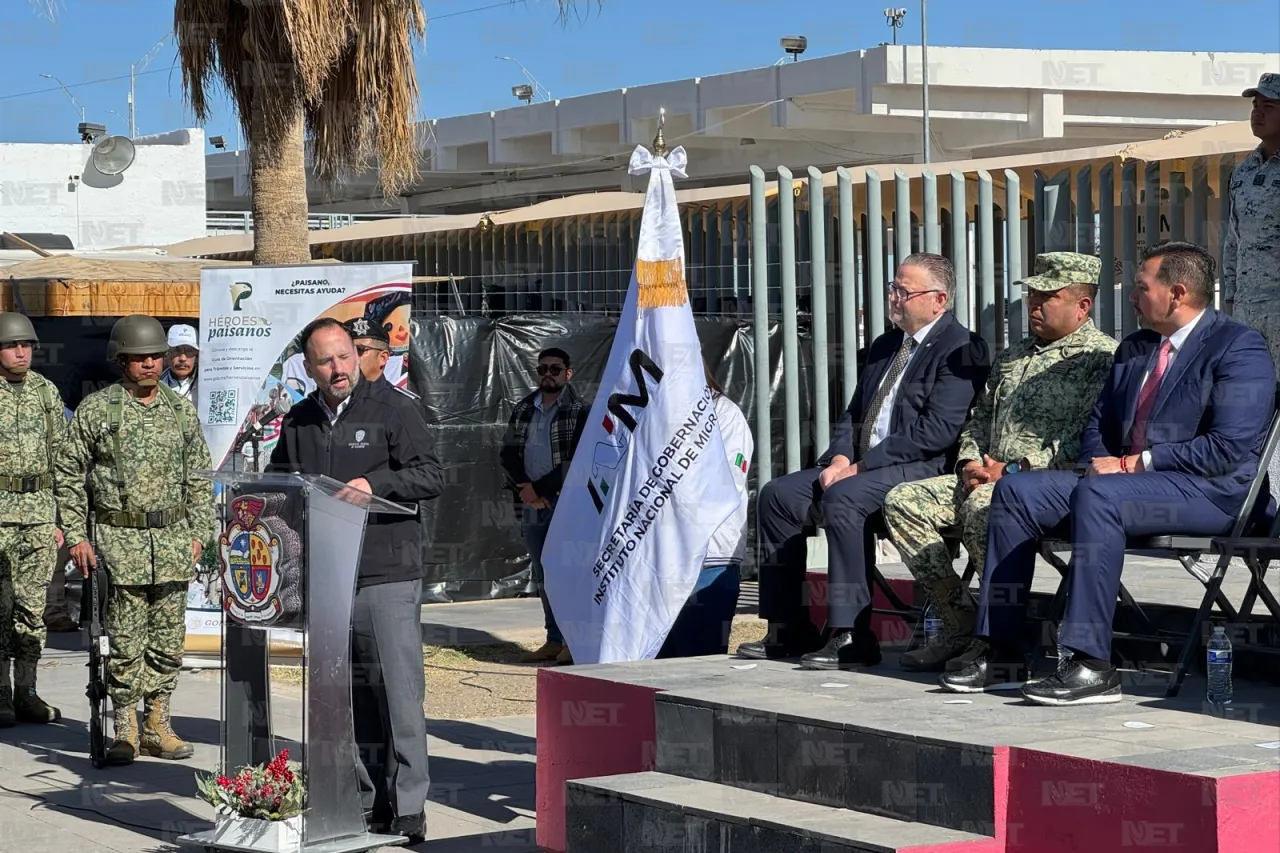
(822,252)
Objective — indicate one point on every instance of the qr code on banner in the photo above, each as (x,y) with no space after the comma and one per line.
(222,407)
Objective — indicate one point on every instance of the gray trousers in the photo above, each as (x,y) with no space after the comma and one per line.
(387,692)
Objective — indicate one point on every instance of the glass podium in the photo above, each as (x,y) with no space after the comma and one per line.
(289,552)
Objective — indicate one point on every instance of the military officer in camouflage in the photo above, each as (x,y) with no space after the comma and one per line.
(140,445)
(1251,249)
(1030,416)
(31,429)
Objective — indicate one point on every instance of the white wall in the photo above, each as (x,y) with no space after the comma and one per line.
(158,200)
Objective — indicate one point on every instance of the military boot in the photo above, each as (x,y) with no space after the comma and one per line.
(158,738)
(957,614)
(7,717)
(125,747)
(28,707)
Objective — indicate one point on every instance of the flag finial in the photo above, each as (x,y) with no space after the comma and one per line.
(659,143)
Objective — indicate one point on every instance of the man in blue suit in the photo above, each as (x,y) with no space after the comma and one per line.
(903,424)
(1171,447)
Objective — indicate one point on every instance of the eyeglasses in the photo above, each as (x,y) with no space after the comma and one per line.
(900,293)
(361,350)
(553,369)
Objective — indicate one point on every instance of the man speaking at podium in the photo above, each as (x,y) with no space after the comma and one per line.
(374,438)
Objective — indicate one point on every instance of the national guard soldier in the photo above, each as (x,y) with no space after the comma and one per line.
(1030,416)
(1251,249)
(31,429)
(140,445)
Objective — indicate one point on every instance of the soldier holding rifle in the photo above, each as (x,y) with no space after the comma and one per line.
(140,444)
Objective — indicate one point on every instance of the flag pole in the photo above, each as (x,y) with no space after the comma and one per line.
(659,143)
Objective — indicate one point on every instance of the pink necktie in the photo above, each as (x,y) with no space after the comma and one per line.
(1147,398)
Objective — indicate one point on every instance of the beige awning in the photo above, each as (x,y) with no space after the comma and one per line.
(1230,138)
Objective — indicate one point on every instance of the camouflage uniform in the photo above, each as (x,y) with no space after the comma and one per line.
(1251,250)
(1033,410)
(150,568)
(31,428)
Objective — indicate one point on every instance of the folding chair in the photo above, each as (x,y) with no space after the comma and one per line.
(1188,550)
(876,527)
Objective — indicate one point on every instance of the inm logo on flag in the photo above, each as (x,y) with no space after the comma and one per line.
(608,454)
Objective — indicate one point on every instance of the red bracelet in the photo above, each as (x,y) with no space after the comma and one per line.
(1124,464)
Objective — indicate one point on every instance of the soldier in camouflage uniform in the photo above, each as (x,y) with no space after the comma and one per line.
(31,429)
(1251,250)
(140,445)
(1030,416)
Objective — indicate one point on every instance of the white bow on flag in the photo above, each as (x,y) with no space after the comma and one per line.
(649,483)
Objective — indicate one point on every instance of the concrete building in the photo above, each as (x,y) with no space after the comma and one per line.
(862,107)
(54,189)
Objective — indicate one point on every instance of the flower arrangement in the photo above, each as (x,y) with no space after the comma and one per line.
(275,792)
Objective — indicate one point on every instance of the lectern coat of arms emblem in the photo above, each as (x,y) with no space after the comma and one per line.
(251,563)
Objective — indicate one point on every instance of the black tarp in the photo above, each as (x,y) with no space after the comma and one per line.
(470,371)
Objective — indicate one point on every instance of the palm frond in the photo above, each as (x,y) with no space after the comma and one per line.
(347,64)
(46,9)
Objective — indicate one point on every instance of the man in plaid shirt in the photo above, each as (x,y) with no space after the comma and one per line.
(541,437)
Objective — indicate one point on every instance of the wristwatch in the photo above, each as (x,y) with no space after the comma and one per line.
(1017,467)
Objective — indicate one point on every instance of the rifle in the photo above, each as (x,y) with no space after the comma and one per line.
(93,603)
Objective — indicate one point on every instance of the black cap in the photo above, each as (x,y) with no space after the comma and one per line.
(362,328)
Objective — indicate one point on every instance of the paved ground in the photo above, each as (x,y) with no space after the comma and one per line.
(53,801)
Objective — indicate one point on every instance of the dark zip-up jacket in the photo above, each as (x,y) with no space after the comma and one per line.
(382,436)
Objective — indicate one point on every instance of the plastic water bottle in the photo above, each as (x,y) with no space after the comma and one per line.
(932,624)
(1219,668)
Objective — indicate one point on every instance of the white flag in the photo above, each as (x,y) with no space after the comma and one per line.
(649,484)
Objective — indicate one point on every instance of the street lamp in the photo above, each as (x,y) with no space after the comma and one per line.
(534,85)
(67,92)
(524,92)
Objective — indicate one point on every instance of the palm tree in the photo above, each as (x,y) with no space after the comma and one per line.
(340,69)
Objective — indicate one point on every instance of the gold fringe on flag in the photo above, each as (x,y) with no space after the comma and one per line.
(662,284)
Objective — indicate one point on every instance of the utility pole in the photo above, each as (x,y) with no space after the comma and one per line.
(924,60)
(134,68)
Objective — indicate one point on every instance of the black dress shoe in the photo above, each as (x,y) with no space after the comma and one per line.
(1077,683)
(845,650)
(985,671)
(783,642)
(412,827)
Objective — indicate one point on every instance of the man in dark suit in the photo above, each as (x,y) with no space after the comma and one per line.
(1171,447)
(907,411)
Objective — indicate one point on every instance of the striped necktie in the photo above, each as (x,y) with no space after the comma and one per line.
(882,393)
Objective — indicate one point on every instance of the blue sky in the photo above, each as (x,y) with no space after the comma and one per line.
(625,43)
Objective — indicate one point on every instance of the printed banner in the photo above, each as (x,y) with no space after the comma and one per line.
(648,485)
(251,372)
(250,318)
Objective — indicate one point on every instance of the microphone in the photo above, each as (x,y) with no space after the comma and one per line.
(280,407)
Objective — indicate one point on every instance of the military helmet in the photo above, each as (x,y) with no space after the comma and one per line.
(137,334)
(15,328)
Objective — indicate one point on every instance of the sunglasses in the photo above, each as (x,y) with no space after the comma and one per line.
(361,350)
(553,369)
